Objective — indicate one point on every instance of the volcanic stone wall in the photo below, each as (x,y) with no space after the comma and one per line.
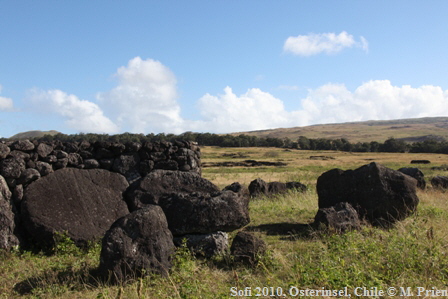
(24,161)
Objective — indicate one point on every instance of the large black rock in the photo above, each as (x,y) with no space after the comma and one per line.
(379,194)
(163,182)
(247,248)
(83,203)
(205,213)
(136,244)
(440,182)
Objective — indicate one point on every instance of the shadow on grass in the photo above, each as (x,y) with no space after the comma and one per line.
(66,278)
(289,231)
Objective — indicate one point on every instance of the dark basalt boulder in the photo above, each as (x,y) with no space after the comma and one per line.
(257,187)
(127,165)
(12,167)
(276,188)
(83,203)
(440,182)
(198,213)
(162,182)
(137,244)
(247,248)
(204,245)
(379,194)
(7,225)
(340,218)
(4,150)
(44,150)
(416,174)
(296,186)
(22,145)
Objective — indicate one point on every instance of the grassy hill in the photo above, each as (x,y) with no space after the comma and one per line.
(413,129)
(32,134)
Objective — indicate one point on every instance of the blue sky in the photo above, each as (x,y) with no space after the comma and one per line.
(218,66)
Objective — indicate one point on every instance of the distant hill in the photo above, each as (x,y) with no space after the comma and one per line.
(411,130)
(32,134)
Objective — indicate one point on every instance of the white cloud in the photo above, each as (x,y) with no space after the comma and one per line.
(5,103)
(254,110)
(330,103)
(81,115)
(329,43)
(145,99)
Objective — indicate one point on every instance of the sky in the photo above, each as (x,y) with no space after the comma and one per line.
(218,66)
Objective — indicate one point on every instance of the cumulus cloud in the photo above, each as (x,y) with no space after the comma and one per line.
(316,43)
(5,103)
(330,103)
(253,110)
(145,99)
(81,115)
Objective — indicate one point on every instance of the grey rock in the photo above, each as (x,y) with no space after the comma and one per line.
(44,150)
(4,150)
(44,168)
(22,145)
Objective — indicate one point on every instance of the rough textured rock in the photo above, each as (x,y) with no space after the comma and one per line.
(91,163)
(44,150)
(22,145)
(44,168)
(4,150)
(340,218)
(127,165)
(205,213)
(258,187)
(163,182)
(84,203)
(276,187)
(296,186)
(137,243)
(379,194)
(440,182)
(205,245)
(12,167)
(416,174)
(246,248)
(28,175)
(7,226)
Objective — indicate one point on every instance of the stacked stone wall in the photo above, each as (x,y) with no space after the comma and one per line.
(24,161)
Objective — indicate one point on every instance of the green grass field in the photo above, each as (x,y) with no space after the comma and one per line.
(413,254)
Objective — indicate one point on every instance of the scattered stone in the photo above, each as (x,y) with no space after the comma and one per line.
(247,248)
(205,245)
(341,218)
(28,175)
(137,244)
(440,182)
(258,187)
(276,188)
(296,186)
(416,174)
(420,162)
(379,194)
(83,203)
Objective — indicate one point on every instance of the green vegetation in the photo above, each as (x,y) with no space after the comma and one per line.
(412,254)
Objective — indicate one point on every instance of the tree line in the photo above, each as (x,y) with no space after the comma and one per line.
(302,143)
